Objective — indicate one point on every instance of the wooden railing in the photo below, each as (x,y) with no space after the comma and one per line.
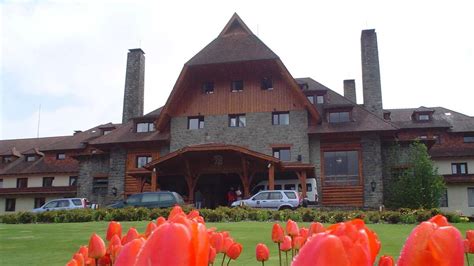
(343,196)
(39,190)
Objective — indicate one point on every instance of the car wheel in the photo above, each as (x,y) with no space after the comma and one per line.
(284,208)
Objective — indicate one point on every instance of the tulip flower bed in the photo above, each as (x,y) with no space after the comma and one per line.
(54,244)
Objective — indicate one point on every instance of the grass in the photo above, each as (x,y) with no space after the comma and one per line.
(54,244)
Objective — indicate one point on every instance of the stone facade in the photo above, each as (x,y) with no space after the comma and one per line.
(372,170)
(134,85)
(350,90)
(258,135)
(315,158)
(111,165)
(371,72)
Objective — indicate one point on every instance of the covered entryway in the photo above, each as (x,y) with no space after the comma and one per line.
(214,168)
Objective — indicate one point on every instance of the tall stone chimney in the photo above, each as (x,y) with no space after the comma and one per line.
(371,72)
(134,85)
(350,90)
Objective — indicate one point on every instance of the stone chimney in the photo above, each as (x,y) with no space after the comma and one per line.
(371,72)
(350,90)
(134,85)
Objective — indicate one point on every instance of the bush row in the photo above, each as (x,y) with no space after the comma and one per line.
(225,214)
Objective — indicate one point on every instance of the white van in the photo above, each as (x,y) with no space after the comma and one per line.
(291,184)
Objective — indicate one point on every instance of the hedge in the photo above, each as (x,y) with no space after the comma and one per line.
(225,214)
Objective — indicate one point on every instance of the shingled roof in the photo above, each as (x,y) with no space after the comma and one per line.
(39,166)
(441,118)
(9,146)
(363,120)
(235,43)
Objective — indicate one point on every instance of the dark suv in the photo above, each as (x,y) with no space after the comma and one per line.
(159,199)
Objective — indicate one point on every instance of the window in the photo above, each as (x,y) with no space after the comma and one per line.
(398,172)
(196,122)
(166,197)
(277,187)
(423,117)
(39,202)
(142,161)
(339,117)
(459,168)
(310,98)
(73,181)
(208,87)
(237,85)
(290,187)
(99,185)
(7,159)
(470,196)
(319,99)
(1,183)
(422,137)
(105,132)
(341,167)
(267,84)
(60,156)
(10,205)
(281,118)
(443,201)
(77,202)
(282,154)
(150,197)
(145,127)
(291,195)
(237,120)
(21,182)
(134,199)
(469,139)
(30,158)
(437,139)
(261,196)
(386,116)
(48,181)
(63,203)
(275,196)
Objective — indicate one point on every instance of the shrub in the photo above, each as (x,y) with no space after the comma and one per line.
(26,217)
(308,215)
(10,219)
(408,218)
(392,217)
(373,217)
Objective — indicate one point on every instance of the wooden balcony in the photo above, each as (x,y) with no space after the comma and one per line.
(71,190)
(459,179)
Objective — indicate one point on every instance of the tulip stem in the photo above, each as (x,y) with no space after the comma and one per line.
(279,253)
(263,263)
(467,258)
(228,261)
(223,259)
(292,249)
(286,253)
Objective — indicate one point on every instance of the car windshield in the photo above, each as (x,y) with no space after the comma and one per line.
(150,197)
(77,202)
(51,204)
(261,196)
(166,197)
(291,195)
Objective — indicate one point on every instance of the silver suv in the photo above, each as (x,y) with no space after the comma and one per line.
(272,199)
(63,204)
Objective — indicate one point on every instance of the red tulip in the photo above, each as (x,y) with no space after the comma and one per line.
(298,242)
(234,251)
(184,242)
(79,259)
(286,245)
(96,247)
(433,242)
(104,261)
(72,262)
(292,228)
(386,261)
(131,235)
(193,214)
(315,228)
(176,211)
(228,241)
(217,241)
(277,233)
(323,249)
(261,252)
(114,241)
(149,229)
(115,251)
(212,255)
(470,241)
(84,251)
(114,229)
(129,252)
(304,232)
(160,220)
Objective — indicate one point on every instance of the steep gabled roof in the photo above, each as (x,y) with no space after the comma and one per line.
(11,146)
(235,43)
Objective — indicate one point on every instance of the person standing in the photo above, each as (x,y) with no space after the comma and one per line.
(198,199)
(238,193)
(231,197)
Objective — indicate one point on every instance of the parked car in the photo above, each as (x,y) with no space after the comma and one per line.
(63,204)
(272,199)
(291,184)
(159,199)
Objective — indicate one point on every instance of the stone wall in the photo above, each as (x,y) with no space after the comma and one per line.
(112,165)
(258,135)
(134,85)
(315,159)
(372,170)
(372,89)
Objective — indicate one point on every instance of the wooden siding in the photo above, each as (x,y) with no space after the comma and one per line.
(343,195)
(223,101)
(133,174)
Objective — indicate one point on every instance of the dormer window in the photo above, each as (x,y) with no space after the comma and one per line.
(60,156)
(105,132)
(208,87)
(304,86)
(7,159)
(267,84)
(423,117)
(310,98)
(145,127)
(339,117)
(30,158)
(237,85)
(386,116)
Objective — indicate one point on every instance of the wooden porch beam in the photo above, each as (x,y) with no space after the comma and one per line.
(154,177)
(271,177)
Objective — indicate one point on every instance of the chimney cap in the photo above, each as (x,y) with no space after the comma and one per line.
(134,50)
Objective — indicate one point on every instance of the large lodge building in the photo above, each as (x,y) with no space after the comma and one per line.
(236,117)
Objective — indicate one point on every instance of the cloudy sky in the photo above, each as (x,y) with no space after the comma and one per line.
(69,56)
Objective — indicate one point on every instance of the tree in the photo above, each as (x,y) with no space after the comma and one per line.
(415,185)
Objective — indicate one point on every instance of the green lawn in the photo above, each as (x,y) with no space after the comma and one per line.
(54,244)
